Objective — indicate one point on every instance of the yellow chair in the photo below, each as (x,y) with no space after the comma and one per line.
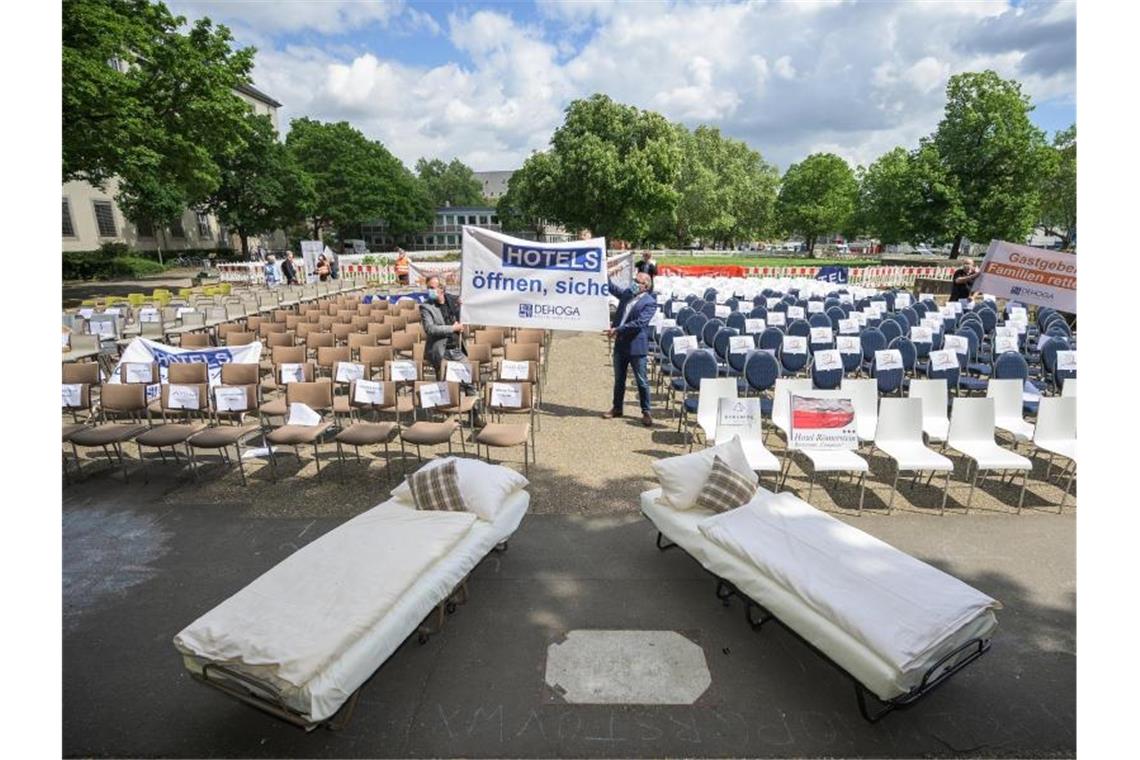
(225,288)
(89,302)
(185,292)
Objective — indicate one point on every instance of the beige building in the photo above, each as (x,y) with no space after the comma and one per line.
(91,217)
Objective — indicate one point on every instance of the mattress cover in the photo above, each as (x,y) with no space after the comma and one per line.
(879,676)
(898,606)
(327,687)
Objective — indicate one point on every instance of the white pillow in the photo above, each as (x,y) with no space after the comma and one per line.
(485,487)
(682,477)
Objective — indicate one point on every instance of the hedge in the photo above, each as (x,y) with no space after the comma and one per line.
(120,260)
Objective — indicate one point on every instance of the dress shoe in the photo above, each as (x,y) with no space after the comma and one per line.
(647,420)
(611,414)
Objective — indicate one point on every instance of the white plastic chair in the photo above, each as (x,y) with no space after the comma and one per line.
(822,460)
(1069,389)
(864,392)
(781,400)
(972,435)
(899,436)
(759,457)
(712,390)
(1007,408)
(935,400)
(1057,433)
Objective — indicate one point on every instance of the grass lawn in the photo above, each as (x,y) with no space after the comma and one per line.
(761,261)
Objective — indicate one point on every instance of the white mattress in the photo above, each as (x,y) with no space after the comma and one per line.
(882,678)
(318,687)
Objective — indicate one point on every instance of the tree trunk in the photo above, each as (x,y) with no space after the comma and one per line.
(244,242)
(957,246)
(316,229)
(158,244)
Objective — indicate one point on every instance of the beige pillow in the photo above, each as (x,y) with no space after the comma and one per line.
(682,477)
(437,488)
(725,489)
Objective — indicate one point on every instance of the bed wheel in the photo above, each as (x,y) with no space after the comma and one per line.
(450,607)
(502,547)
(423,639)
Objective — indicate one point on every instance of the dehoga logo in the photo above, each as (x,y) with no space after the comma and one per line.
(532,310)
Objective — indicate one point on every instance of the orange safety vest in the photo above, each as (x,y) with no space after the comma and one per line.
(402,265)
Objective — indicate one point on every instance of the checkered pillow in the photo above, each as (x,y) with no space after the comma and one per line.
(725,489)
(437,488)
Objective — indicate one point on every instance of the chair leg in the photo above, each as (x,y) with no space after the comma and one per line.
(526,461)
(894,487)
(340,460)
(973,483)
(272,462)
(811,485)
(1068,485)
(945,490)
(1024,482)
(241,464)
(862,490)
(316,459)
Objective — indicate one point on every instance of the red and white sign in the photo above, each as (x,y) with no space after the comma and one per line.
(1029,275)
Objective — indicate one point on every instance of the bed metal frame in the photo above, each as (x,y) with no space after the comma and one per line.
(935,675)
(267,698)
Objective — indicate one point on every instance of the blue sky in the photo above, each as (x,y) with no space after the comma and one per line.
(488,82)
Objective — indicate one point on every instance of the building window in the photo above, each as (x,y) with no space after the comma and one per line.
(204,226)
(482,220)
(145,228)
(451,239)
(494,219)
(105,219)
(449,219)
(176,229)
(68,228)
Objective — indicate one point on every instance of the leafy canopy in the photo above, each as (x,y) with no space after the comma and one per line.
(452,184)
(818,196)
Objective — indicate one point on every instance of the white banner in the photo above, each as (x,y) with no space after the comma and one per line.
(141,350)
(449,272)
(519,283)
(620,269)
(823,423)
(1029,275)
(310,250)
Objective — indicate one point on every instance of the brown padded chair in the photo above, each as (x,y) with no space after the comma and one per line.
(154,376)
(382,332)
(369,433)
(327,356)
(359,340)
(508,434)
(195,340)
(239,338)
(426,433)
(117,401)
(374,358)
(229,428)
(170,435)
(278,407)
(318,397)
(494,338)
(523,352)
(181,373)
(282,355)
(317,340)
(341,404)
(402,343)
(240,373)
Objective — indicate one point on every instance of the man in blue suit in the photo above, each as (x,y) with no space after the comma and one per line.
(630,332)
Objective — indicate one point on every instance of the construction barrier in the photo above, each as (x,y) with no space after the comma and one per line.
(883,276)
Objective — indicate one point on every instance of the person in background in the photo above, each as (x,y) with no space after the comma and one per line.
(439,316)
(289,269)
(962,279)
(402,269)
(647,265)
(323,269)
(636,307)
(272,280)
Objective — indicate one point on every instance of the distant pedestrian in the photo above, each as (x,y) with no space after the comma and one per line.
(289,269)
(963,279)
(323,268)
(647,264)
(272,279)
(402,266)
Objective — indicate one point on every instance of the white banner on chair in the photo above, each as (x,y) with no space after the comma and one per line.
(902,300)
(795,344)
(230,398)
(825,361)
(368,392)
(849,344)
(1018,314)
(771,303)
(104,328)
(849,327)
(944,360)
(957,307)
(846,298)
(458,372)
(957,343)
(183,311)
(822,423)
(795,312)
(777,318)
(933,324)
(404,370)
(815,307)
(434,394)
(1004,343)
(754,326)
(740,344)
(346,372)
(86,312)
(738,416)
(72,395)
(821,335)
(113,311)
(512,370)
(683,344)
(678,305)
(668,323)
(1008,331)
(877,308)
(921,335)
(150,315)
(860,318)
(292,372)
(302,414)
(721,312)
(139,373)
(947,312)
(1067,361)
(890,358)
(506,395)
(183,397)
(926,297)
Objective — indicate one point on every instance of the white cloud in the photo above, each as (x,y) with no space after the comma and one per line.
(789,78)
(326,17)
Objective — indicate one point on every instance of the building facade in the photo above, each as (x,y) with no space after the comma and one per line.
(91,217)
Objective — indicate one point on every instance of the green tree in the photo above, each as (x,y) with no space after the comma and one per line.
(817,196)
(611,169)
(262,188)
(356,180)
(147,201)
(451,184)
(909,196)
(147,103)
(1059,191)
(520,208)
(995,156)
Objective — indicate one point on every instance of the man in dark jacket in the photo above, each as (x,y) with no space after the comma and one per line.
(636,307)
(289,269)
(439,316)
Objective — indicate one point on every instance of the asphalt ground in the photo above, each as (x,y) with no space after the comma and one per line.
(142,560)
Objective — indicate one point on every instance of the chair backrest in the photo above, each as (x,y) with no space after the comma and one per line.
(245,373)
(1011,365)
(123,398)
(720,342)
(320,340)
(526,397)
(760,370)
(695,323)
(887,380)
(712,390)
(81,372)
(292,354)
(1006,393)
(1056,419)
(871,339)
(187,372)
(736,321)
(906,348)
(781,397)
(201,391)
(239,338)
(520,352)
(132,372)
(934,395)
(699,364)
(317,396)
(479,352)
(770,338)
(890,330)
(900,421)
(1069,388)
(329,355)
(791,359)
(388,390)
(826,379)
(799,327)
(972,419)
(864,392)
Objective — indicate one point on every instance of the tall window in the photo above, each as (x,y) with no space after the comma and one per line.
(482,220)
(68,228)
(204,226)
(145,228)
(176,229)
(105,219)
